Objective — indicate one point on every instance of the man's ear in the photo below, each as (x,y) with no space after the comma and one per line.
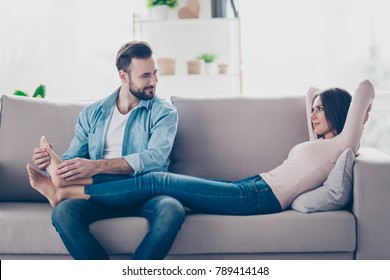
(123,76)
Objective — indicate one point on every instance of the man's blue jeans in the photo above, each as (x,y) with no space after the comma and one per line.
(72,218)
(250,196)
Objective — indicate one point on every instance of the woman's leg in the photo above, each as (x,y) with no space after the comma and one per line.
(245,197)
(46,187)
(52,168)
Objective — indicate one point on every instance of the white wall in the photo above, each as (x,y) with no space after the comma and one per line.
(68,45)
(287,46)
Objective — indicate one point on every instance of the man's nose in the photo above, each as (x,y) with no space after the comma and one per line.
(153,80)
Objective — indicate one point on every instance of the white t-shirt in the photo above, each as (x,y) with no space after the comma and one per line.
(115,132)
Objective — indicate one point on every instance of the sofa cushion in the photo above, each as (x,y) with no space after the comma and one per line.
(336,191)
(26,229)
(319,232)
(231,138)
(22,121)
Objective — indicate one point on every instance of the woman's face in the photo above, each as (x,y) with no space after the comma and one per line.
(319,121)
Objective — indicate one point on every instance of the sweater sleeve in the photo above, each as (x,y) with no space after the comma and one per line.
(353,128)
(309,104)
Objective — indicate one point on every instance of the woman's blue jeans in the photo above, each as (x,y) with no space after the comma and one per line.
(250,196)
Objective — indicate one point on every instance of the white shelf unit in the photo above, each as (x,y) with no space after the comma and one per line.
(183,40)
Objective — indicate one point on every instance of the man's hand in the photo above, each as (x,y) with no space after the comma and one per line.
(41,157)
(76,168)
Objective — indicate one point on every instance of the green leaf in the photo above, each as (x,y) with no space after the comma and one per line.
(40,92)
(207,57)
(170,3)
(20,93)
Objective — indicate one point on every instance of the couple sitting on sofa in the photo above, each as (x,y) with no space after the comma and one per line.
(335,124)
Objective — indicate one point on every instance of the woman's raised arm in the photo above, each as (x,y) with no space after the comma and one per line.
(357,115)
(309,104)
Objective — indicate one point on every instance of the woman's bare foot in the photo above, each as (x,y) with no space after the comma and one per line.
(54,162)
(55,195)
(44,185)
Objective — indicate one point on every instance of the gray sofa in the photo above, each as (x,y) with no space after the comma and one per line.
(225,138)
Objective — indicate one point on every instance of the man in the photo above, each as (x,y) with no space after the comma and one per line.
(129,133)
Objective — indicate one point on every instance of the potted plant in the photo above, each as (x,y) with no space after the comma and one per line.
(40,92)
(210,64)
(160,8)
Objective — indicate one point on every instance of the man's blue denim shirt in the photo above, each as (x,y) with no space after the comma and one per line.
(149,133)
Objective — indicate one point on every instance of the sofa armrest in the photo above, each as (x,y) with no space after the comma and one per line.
(371,204)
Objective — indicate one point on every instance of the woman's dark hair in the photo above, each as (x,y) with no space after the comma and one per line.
(128,51)
(335,102)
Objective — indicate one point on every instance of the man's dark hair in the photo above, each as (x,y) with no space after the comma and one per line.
(335,102)
(128,51)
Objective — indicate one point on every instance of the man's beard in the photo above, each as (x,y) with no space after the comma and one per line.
(146,93)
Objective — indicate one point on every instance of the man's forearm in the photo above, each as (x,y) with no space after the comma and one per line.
(113,166)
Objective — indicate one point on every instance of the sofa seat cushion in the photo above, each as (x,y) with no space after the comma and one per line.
(26,228)
(285,232)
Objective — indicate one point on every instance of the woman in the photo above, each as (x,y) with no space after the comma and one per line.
(336,123)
